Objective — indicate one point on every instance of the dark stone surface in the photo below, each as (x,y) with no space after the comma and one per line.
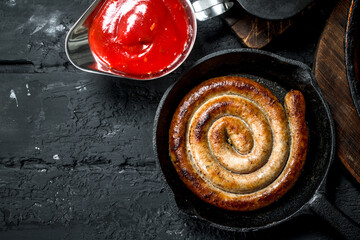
(76,157)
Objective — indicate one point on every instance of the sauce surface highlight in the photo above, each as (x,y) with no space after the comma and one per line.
(139,37)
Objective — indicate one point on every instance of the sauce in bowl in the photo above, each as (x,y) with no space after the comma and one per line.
(140,38)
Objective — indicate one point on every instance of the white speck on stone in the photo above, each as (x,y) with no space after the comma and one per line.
(110,134)
(50,25)
(53,86)
(51,30)
(175,232)
(11,3)
(56,157)
(115,131)
(38,28)
(37,148)
(81,88)
(13,96)
(28,90)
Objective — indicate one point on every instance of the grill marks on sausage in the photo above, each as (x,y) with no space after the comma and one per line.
(205,118)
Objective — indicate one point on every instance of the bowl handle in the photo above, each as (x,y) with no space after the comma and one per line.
(206,9)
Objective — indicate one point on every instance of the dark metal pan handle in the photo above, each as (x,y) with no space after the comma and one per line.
(321,206)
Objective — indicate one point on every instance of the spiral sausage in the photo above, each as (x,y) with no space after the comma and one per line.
(233,144)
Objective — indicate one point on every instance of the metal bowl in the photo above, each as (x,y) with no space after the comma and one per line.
(79,53)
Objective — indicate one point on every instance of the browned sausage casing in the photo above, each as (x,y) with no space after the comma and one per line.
(233,144)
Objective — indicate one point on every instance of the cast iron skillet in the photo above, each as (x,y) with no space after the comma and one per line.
(280,75)
(352,50)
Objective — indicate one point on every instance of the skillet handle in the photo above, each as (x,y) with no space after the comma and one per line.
(321,206)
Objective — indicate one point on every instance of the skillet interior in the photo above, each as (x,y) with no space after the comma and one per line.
(352,50)
(280,76)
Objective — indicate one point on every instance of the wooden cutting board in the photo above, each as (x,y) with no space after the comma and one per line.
(255,32)
(330,72)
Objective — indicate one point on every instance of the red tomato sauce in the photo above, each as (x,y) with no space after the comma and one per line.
(139,37)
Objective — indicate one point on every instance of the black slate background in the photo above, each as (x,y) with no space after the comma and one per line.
(76,157)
